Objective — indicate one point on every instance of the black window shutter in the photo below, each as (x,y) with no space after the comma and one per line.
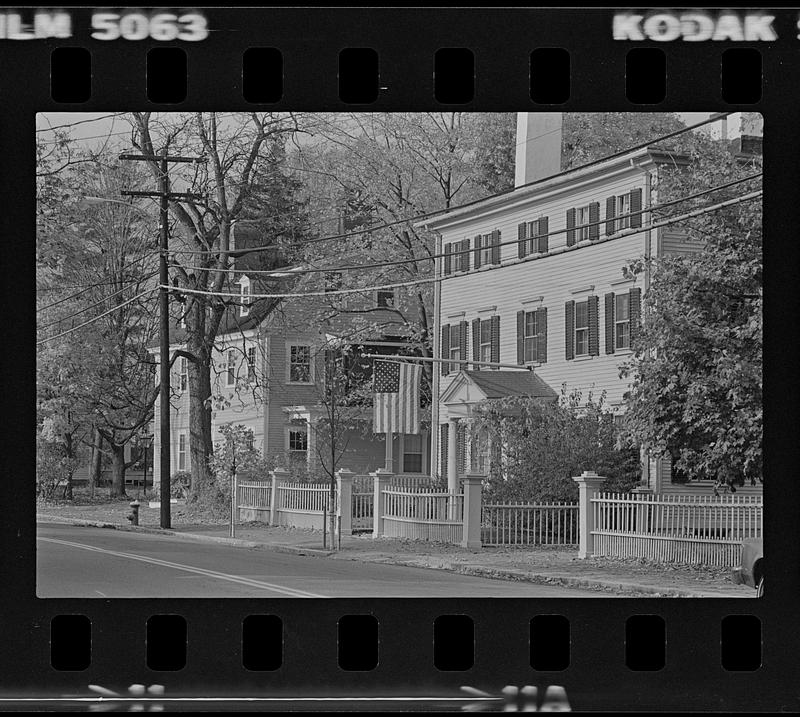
(522,236)
(465,255)
(594,219)
(445,349)
(477,251)
(495,334)
(520,337)
(448,258)
(541,341)
(611,210)
(610,323)
(569,329)
(544,229)
(496,246)
(444,437)
(476,341)
(594,326)
(636,206)
(570,227)
(462,340)
(635,312)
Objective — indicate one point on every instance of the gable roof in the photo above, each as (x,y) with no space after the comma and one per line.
(499,384)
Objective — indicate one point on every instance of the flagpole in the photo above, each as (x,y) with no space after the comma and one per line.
(494,364)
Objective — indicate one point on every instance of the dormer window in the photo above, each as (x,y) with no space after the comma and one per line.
(244,293)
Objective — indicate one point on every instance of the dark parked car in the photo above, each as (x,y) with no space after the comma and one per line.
(751,571)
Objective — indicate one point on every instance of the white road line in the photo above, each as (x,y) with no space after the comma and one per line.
(290,592)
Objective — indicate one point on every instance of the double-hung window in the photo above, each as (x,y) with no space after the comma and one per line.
(244,293)
(412,453)
(622,321)
(298,440)
(485,341)
(485,249)
(230,373)
(581,222)
(300,364)
(581,328)
(458,257)
(184,380)
(455,345)
(251,363)
(182,452)
(532,331)
(623,210)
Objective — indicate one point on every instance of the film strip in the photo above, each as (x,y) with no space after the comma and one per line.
(521,652)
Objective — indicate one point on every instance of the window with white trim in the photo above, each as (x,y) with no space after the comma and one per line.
(582,218)
(384,298)
(623,206)
(412,453)
(244,293)
(182,452)
(184,378)
(485,341)
(531,336)
(459,256)
(300,363)
(582,328)
(455,345)
(230,371)
(485,249)
(622,321)
(251,363)
(298,440)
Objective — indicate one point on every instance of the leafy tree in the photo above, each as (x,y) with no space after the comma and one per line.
(697,372)
(539,446)
(241,178)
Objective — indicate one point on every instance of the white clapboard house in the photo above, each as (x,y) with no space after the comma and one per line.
(534,277)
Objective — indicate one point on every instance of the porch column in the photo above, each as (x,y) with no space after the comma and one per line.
(588,484)
(452,455)
(389,456)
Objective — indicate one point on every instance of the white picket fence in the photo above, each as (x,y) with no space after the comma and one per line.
(363,496)
(510,524)
(706,530)
(299,505)
(423,514)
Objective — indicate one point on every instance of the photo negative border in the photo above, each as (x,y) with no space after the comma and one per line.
(406,40)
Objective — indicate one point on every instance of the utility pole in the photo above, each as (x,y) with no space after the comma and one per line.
(164,196)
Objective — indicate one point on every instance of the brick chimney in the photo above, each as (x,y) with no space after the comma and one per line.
(538,146)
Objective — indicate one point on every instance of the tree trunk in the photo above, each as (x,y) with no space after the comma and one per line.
(118,471)
(70,455)
(94,469)
(200,444)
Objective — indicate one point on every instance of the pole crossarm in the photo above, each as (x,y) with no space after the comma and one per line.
(159,157)
(396,358)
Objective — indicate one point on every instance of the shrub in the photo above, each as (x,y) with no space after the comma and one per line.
(180,484)
(53,468)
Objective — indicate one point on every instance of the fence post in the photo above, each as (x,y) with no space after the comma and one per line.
(279,474)
(588,484)
(381,480)
(344,486)
(471,532)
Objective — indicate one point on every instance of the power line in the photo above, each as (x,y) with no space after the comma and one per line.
(75,124)
(427,215)
(488,267)
(649,227)
(299,270)
(97,303)
(96,318)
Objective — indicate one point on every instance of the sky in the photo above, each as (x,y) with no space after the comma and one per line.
(95,131)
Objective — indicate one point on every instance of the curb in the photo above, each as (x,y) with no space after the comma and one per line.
(464,569)
(236,542)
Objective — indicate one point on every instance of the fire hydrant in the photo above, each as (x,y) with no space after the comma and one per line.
(133,516)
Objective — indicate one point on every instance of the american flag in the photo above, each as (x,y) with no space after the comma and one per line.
(396,404)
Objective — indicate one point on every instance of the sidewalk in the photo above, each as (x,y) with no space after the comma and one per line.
(549,565)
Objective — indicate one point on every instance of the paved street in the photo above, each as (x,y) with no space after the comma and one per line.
(77,561)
